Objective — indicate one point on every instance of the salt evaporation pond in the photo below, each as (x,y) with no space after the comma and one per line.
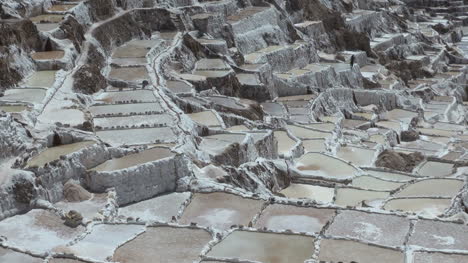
(54,153)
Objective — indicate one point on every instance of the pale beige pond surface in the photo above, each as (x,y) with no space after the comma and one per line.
(134,121)
(265,247)
(61,8)
(127,96)
(314,145)
(135,48)
(390,176)
(318,164)
(369,182)
(285,143)
(48,55)
(314,192)
(220,210)
(44,27)
(135,159)
(356,155)
(378,138)
(130,74)
(13,108)
(164,245)
(380,229)
(125,109)
(429,206)
(47,19)
(54,153)
(161,208)
(137,136)
(400,115)
(432,187)
(353,197)
(178,86)
(103,240)
(304,133)
(44,79)
(38,231)
(24,95)
(306,219)
(435,169)
(426,257)
(352,251)
(11,256)
(207,118)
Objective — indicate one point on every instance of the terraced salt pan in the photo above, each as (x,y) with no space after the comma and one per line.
(379,229)
(137,136)
(273,108)
(356,155)
(89,209)
(61,8)
(72,117)
(34,95)
(207,118)
(164,244)
(237,128)
(378,138)
(428,206)
(318,193)
(400,115)
(314,145)
(48,55)
(353,197)
(278,217)
(13,108)
(352,124)
(285,143)
(125,109)
(103,241)
(126,96)
(134,49)
(437,132)
(44,79)
(161,208)
(435,169)
(440,235)
(130,74)
(134,121)
(178,86)
(389,125)
(352,251)
(432,257)
(264,247)
(432,188)
(11,256)
(44,27)
(123,62)
(38,231)
(217,143)
(373,183)
(149,155)
(64,260)
(304,133)
(47,18)
(318,164)
(422,145)
(54,153)
(220,210)
(329,127)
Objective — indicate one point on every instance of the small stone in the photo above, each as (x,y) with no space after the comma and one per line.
(73,219)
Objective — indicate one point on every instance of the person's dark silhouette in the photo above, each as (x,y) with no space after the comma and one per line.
(352,62)
(144,84)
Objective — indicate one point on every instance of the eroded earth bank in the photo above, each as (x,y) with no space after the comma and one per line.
(266,131)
